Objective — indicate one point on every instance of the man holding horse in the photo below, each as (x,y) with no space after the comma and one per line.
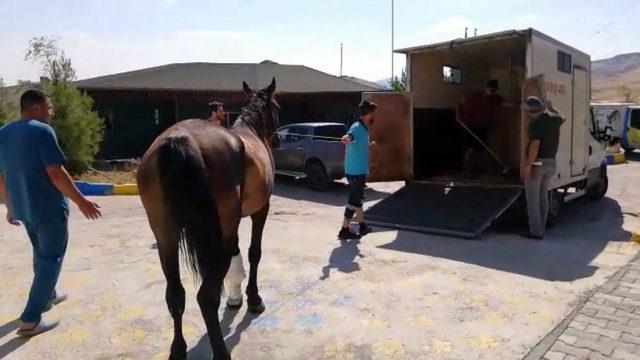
(35,186)
(356,168)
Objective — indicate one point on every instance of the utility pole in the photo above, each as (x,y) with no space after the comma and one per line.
(392,35)
(465,31)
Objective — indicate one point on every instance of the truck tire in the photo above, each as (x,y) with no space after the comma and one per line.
(317,178)
(599,189)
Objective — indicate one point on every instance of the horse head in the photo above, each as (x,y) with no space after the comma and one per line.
(261,111)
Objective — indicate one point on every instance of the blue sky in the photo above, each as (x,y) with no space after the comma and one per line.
(118,35)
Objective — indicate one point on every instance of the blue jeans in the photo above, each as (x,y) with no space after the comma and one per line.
(49,241)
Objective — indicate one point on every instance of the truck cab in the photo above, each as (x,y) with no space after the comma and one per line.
(618,123)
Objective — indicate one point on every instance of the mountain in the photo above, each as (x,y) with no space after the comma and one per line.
(608,75)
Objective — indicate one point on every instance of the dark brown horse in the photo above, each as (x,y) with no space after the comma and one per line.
(196,182)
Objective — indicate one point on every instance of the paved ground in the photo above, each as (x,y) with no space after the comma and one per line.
(606,325)
(394,295)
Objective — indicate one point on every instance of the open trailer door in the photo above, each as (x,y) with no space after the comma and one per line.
(391,153)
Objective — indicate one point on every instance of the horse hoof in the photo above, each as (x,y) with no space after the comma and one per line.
(234,306)
(178,350)
(176,356)
(256,309)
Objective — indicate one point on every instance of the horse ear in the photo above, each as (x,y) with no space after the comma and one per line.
(247,89)
(271,88)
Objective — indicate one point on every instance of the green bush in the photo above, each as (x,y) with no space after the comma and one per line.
(78,127)
(8,110)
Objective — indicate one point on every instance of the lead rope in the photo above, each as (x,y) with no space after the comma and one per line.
(311,136)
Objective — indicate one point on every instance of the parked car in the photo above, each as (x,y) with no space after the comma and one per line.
(312,151)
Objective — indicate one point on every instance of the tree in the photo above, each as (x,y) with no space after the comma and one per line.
(399,84)
(56,66)
(628,94)
(78,127)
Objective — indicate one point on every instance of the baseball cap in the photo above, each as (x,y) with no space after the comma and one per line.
(533,103)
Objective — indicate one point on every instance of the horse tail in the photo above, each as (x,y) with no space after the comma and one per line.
(185,187)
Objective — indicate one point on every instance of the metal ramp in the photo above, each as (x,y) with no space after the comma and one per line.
(455,210)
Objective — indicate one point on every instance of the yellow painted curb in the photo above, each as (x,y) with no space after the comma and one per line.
(619,158)
(125,189)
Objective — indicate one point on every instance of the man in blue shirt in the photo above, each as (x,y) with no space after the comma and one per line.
(356,168)
(33,185)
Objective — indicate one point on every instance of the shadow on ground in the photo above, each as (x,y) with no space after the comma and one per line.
(343,258)
(336,195)
(203,349)
(15,343)
(581,233)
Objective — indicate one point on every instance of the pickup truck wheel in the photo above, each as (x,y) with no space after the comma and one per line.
(317,177)
(599,189)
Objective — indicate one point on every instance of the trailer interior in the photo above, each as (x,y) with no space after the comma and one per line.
(444,78)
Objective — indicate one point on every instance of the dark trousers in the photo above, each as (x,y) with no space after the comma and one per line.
(356,194)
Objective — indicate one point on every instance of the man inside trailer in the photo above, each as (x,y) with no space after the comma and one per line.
(478,112)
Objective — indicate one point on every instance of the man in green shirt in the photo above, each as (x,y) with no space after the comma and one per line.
(540,162)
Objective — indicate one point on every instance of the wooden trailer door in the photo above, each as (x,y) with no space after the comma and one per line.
(391,137)
(579,122)
(531,87)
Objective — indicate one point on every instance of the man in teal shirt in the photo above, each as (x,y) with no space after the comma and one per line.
(356,168)
(34,186)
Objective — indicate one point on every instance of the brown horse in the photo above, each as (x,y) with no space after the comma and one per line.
(196,182)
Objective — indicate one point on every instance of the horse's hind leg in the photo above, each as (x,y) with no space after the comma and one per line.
(167,237)
(209,301)
(175,299)
(258,220)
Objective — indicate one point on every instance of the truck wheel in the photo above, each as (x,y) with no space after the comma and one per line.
(317,177)
(599,189)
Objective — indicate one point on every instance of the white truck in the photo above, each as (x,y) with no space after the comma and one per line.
(618,122)
(419,141)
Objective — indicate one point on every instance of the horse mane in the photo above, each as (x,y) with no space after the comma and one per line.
(251,114)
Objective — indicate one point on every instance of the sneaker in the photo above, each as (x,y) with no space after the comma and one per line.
(364,229)
(528,235)
(346,234)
